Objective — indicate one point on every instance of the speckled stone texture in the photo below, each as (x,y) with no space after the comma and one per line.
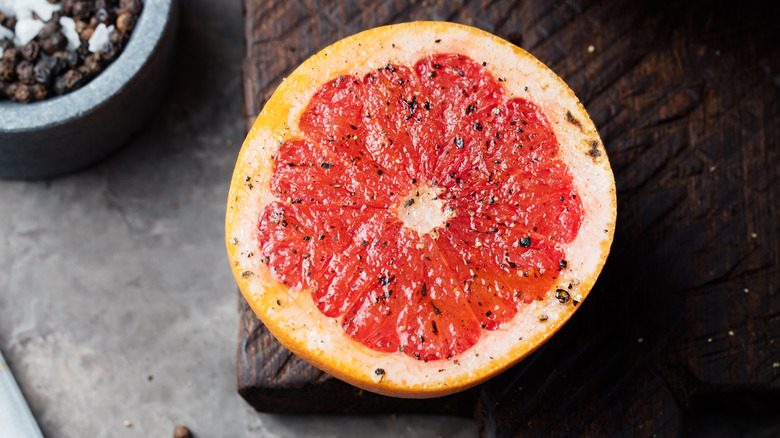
(116,300)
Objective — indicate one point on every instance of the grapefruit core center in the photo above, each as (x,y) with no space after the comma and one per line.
(423,210)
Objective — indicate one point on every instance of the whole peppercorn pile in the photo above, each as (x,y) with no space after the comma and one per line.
(52,47)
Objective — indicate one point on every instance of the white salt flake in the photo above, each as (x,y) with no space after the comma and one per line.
(6,33)
(43,8)
(24,9)
(15,8)
(69,30)
(26,30)
(99,40)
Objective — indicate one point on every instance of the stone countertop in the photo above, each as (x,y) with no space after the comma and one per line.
(118,311)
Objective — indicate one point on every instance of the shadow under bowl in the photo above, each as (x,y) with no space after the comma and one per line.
(64,134)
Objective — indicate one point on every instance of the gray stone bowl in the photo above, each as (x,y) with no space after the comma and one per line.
(64,134)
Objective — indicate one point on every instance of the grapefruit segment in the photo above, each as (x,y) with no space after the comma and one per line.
(392,116)
(333,112)
(457,89)
(411,200)
(436,322)
(374,319)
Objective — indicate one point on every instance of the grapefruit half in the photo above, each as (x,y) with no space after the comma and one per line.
(418,207)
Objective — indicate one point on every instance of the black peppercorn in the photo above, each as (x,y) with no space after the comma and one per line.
(10,89)
(118,37)
(49,29)
(562,295)
(11,55)
(86,34)
(54,43)
(43,72)
(81,52)
(111,52)
(182,432)
(59,41)
(30,51)
(66,8)
(39,91)
(132,6)
(93,64)
(55,64)
(71,80)
(125,22)
(85,73)
(7,70)
(48,47)
(61,64)
(10,23)
(81,26)
(64,61)
(22,94)
(104,16)
(25,72)
(81,10)
(525,242)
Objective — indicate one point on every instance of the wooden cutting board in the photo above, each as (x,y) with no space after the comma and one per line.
(681,334)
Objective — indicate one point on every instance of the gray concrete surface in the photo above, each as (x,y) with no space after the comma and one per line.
(116,301)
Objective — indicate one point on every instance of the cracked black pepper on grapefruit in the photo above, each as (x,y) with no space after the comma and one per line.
(418,207)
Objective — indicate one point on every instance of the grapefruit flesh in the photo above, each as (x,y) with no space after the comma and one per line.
(415,220)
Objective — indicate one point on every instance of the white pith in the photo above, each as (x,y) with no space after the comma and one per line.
(422,210)
(320,339)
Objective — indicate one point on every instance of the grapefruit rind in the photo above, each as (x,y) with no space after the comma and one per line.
(292,316)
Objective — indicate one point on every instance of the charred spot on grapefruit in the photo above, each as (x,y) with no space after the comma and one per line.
(417,198)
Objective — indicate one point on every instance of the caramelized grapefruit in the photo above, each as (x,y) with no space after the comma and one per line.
(418,207)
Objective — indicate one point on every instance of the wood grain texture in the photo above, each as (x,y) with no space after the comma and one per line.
(680,335)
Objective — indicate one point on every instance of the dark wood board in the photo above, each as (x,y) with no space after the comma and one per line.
(680,334)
